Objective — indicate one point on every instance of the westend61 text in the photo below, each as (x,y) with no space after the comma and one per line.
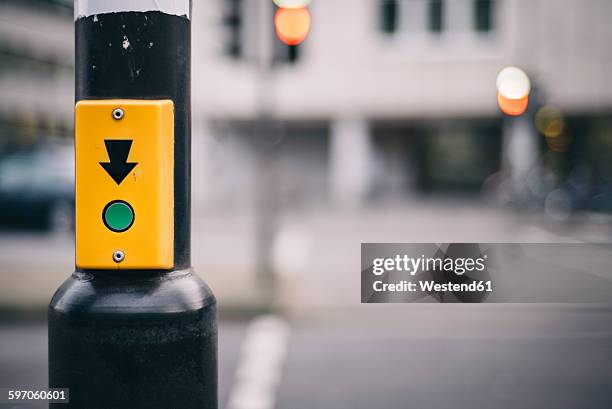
(432,286)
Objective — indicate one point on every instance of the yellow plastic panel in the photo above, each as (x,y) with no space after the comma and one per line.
(140,173)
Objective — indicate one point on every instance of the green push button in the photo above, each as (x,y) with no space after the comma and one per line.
(118,216)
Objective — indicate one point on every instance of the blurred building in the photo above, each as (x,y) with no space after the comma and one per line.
(385,98)
(36,72)
(386,101)
(390,98)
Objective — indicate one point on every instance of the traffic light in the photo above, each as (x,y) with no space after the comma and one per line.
(292,21)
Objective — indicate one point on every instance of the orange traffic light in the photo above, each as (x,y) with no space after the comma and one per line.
(512,107)
(292,25)
(513,88)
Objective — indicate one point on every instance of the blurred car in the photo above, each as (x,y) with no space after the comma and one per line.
(37,189)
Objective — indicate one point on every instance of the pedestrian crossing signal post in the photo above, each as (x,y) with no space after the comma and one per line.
(133,327)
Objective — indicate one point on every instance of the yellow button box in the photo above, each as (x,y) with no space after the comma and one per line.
(124,184)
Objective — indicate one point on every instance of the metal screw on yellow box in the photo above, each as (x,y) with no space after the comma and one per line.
(118,114)
(118,256)
(133,326)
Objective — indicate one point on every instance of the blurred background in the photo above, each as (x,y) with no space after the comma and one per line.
(382,126)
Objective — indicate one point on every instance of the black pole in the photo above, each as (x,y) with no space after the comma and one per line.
(137,338)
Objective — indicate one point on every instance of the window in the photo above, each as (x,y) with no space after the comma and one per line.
(483,15)
(388,16)
(14,60)
(63,7)
(232,20)
(436,16)
(414,18)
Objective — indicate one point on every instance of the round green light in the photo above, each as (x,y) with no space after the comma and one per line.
(118,216)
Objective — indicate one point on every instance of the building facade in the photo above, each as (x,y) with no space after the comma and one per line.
(36,72)
(396,98)
(385,98)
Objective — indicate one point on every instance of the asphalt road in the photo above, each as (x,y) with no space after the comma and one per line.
(436,357)
(410,356)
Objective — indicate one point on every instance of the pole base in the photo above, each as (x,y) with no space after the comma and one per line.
(134,340)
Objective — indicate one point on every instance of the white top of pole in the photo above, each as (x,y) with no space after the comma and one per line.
(85,8)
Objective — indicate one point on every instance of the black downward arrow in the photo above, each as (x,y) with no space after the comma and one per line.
(118,167)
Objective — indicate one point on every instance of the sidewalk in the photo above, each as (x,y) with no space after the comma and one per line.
(316,253)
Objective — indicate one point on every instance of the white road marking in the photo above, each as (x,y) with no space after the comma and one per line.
(260,365)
